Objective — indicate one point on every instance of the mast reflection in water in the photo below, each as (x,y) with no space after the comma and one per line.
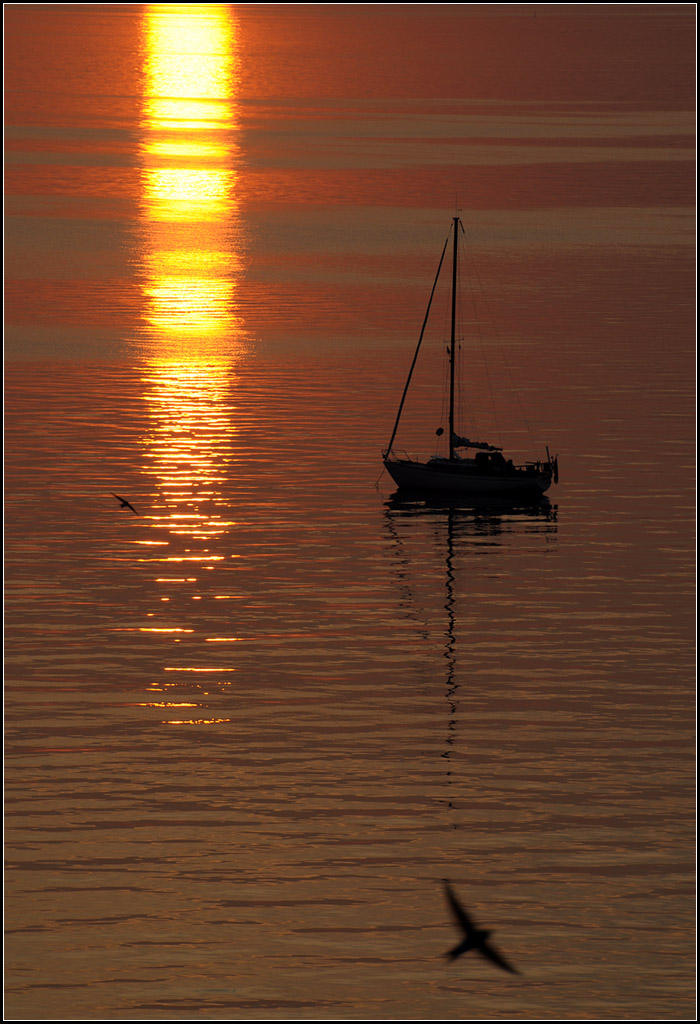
(433,542)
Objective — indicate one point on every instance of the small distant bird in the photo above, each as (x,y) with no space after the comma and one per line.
(474,938)
(123,503)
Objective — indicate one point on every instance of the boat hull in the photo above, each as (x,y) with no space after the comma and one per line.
(451,478)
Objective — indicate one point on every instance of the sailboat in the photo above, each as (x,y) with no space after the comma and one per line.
(472,469)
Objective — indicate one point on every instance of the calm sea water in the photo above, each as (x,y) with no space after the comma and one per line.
(252,728)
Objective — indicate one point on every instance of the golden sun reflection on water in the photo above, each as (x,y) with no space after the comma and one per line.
(188,445)
(189,152)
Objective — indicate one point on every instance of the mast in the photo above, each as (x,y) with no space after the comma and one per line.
(452,337)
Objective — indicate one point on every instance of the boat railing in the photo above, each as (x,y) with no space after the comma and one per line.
(396,455)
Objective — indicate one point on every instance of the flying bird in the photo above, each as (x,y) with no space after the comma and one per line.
(123,503)
(474,938)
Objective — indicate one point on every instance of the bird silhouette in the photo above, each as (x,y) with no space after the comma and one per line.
(123,503)
(474,938)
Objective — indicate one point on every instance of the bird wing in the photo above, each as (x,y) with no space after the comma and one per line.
(125,503)
(462,947)
(458,911)
(490,953)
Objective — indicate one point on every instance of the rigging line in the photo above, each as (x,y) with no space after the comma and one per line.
(459,356)
(415,357)
(444,390)
(479,330)
(465,405)
(470,419)
(462,355)
(501,348)
(445,381)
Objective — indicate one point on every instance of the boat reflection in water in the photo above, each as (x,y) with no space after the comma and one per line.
(436,542)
